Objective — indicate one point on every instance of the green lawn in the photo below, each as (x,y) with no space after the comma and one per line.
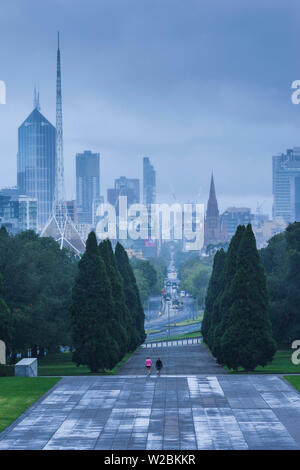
(281,364)
(190,321)
(61,364)
(194,334)
(18,393)
(294,380)
(151,332)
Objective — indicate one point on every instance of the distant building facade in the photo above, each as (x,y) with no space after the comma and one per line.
(87,184)
(28,213)
(36,162)
(129,187)
(286,185)
(234,216)
(18,213)
(9,213)
(267,230)
(72,210)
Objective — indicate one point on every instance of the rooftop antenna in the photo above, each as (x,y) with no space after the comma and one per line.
(36,99)
(60,225)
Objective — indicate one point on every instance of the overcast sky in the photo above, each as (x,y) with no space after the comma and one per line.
(194,85)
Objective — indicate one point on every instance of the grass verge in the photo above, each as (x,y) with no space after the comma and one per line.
(18,393)
(281,364)
(193,334)
(61,364)
(188,322)
(152,332)
(294,380)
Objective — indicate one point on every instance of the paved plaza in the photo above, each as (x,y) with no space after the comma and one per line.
(174,412)
(183,360)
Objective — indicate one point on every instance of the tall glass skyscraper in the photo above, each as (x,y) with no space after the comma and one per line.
(286,185)
(87,184)
(149,182)
(36,162)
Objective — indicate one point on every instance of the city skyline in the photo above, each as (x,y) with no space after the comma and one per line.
(149,228)
(166,106)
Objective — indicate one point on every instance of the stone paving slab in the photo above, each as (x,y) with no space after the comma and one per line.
(168,412)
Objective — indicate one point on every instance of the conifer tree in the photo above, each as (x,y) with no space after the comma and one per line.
(214,288)
(5,320)
(247,338)
(91,312)
(120,312)
(224,300)
(292,327)
(132,299)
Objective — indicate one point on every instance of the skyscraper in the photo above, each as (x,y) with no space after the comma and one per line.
(286,185)
(87,184)
(36,161)
(234,216)
(129,187)
(149,182)
(60,225)
(149,247)
(212,231)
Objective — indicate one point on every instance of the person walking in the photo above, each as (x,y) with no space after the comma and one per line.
(148,365)
(158,366)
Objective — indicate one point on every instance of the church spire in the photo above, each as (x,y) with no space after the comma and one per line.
(212,191)
(212,234)
(212,204)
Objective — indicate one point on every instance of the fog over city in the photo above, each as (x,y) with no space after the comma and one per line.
(197,86)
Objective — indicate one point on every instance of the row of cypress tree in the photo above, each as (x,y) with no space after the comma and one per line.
(107,317)
(236,326)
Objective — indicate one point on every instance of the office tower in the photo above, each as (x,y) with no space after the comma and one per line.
(60,225)
(36,161)
(87,184)
(234,216)
(149,197)
(28,213)
(149,182)
(212,231)
(129,187)
(286,185)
